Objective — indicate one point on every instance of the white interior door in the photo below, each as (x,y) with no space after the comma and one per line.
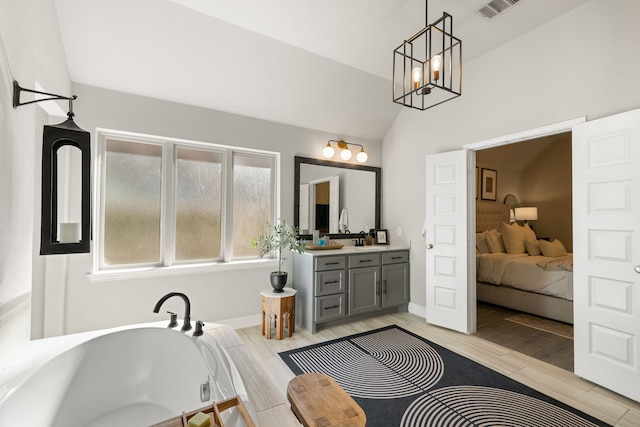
(450,293)
(334,204)
(606,232)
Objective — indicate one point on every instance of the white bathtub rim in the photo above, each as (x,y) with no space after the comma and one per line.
(31,356)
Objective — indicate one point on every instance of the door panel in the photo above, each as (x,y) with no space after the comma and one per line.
(606,206)
(449,292)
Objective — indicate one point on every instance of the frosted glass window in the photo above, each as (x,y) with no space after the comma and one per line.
(166,201)
(132,214)
(198,205)
(252,201)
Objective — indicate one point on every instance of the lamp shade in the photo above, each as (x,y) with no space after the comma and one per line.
(529,213)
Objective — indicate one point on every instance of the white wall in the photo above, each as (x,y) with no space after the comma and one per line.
(223,295)
(548,187)
(549,75)
(30,51)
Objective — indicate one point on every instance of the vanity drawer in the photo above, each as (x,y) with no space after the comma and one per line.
(330,307)
(324,263)
(330,282)
(395,257)
(364,260)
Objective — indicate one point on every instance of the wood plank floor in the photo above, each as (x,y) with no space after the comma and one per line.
(552,380)
(551,348)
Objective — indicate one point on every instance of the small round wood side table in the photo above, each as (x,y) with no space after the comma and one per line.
(282,307)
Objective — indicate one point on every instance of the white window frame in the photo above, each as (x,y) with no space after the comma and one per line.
(167,264)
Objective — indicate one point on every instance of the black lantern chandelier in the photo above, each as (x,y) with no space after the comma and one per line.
(427,68)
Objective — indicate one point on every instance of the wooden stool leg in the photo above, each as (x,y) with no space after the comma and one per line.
(289,323)
(288,308)
(279,326)
(265,306)
(268,326)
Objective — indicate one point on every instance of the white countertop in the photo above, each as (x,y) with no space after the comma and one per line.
(350,250)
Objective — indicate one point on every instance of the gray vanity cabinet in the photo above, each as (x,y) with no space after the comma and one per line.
(395,278)
(321,284)
(364,283)
(344,284)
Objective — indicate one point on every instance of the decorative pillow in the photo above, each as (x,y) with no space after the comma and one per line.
(529,234)
(482,246)
(513,238)
(533,248)
(555,248)
(494,240)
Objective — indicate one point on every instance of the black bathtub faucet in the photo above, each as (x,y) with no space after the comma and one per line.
(187,305)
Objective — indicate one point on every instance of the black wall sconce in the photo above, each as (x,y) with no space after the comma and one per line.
(56,237)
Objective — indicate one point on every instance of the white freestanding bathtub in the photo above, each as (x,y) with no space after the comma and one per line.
(121,377)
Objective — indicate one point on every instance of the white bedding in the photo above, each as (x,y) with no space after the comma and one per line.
(540,274)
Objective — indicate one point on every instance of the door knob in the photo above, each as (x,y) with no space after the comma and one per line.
(429,246)
(637,269)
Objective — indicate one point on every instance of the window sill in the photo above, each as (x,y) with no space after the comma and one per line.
(178,270)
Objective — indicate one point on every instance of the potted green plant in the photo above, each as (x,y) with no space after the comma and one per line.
(282,236)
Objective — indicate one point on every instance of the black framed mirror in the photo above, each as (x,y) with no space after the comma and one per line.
(340,216)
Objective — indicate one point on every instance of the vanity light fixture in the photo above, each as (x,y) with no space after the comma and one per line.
(345,154)
(62,237)
(427,68)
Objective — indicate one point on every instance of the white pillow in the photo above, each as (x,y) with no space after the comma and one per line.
(529,234)
(494,240)
(555,248)
(482,246)
(513,238)
(533,248)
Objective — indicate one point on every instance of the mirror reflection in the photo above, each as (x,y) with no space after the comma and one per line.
(335,198)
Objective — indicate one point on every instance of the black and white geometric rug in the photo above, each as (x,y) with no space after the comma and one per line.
(401,379)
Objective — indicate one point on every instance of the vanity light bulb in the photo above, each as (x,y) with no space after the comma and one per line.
(362,156)
(436,64)
(416,77)
(328,151)
(345,154)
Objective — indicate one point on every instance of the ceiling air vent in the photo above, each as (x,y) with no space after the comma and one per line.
(495,7)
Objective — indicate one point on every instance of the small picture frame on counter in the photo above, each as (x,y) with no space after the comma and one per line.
(382,237)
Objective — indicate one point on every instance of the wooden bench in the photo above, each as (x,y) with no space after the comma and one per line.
(319,401)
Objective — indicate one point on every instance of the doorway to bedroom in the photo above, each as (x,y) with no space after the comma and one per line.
(525,316)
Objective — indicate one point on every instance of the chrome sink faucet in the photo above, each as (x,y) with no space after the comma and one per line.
(187,304)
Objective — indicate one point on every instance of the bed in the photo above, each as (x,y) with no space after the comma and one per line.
(519,275)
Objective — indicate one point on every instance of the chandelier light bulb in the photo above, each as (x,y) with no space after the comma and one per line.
(345,154)
(362,156)
(436,64)
(416,77)
(328,151)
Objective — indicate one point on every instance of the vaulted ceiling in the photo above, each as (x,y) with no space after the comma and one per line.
(322,65)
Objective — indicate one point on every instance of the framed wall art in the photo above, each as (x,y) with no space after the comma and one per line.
(382,237)
(489,184)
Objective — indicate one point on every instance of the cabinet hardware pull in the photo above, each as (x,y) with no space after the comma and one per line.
(366,260)
(332,263)
(333,306)
(384,286)
(332,282)
(396,257)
